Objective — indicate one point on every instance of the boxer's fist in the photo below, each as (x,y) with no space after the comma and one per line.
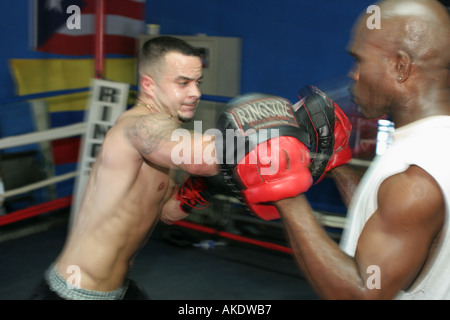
(196,192)
(193,194)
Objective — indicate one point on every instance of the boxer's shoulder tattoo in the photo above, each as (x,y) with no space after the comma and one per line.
(150,131)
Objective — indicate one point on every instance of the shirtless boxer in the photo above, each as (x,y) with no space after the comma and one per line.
(130,187)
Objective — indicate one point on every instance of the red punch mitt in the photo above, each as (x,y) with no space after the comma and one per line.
(328,131)
(261,153)
(280,171)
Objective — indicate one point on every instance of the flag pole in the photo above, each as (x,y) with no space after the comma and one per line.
(99,38)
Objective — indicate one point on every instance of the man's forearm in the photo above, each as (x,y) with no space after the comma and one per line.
(346,179)
(332,273)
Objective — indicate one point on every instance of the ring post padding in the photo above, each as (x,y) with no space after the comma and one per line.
(107,101)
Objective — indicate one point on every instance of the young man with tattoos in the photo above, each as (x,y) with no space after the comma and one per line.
(130,187)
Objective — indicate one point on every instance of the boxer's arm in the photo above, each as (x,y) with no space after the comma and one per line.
(194,154)
(160,141)
(346,179)
(395,241)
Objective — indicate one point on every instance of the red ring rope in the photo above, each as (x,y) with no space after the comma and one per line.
(232,236)
(67,201)
(35,210)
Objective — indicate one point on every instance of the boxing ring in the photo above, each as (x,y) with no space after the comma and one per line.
(56,204)
(63,204)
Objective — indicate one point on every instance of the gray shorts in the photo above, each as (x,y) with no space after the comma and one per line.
(70,292)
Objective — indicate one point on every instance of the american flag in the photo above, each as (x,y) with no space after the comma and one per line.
(68,26)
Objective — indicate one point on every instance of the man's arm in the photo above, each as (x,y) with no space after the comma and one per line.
(160,140)
(346,179)
(396,240)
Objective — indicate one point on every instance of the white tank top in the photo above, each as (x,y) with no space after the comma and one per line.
(425,143)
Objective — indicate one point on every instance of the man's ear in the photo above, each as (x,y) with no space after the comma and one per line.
(147,84)
(403,65)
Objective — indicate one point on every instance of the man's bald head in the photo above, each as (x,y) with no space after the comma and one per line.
(403,66)
(420,28)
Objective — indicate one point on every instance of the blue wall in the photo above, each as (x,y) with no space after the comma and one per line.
(286,43)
